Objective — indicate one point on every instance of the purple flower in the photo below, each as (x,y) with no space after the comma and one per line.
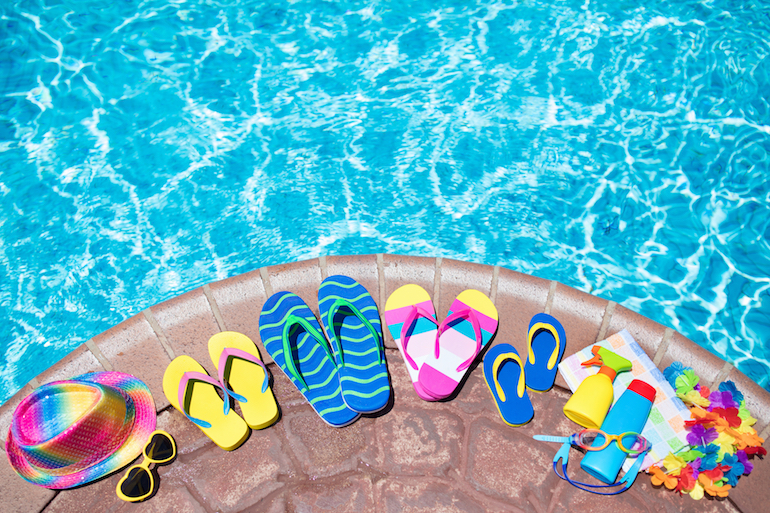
(695,468)
(699,435)
(729,386)
(744,459)
(721,400)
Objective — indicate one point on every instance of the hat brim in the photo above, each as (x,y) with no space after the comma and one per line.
(144,425)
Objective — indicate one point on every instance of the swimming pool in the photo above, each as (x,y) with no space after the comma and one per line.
(148,148)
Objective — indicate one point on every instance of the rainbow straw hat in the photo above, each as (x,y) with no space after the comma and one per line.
(68,433)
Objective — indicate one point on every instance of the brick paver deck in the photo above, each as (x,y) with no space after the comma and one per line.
(455,455)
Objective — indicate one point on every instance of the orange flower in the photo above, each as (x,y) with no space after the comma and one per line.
(661,478)
(708,486)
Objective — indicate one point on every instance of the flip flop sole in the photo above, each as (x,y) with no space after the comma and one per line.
(227,431)
(422,335)
(323,390)
(364,375)
(543,349)
(513,409)
(440,376)
(246,378)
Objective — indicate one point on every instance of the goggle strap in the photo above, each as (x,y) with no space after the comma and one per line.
(627,480)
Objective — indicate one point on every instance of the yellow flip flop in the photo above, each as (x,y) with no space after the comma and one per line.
(192,391)
(239,365)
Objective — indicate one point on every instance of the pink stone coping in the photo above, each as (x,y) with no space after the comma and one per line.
(452,455)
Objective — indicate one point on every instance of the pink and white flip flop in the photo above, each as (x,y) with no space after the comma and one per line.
(411,318)
(470,325)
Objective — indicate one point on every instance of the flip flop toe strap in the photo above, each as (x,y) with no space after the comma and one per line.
(415,313)
(543,326)
(340,303)
(498,363)
(192,376)
(291,321)
(227,355)
(461,314)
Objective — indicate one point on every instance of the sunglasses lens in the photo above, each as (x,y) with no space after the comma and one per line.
(160,448)
(137,484)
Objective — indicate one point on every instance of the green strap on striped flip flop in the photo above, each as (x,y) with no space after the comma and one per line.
(352,324)
(293,337)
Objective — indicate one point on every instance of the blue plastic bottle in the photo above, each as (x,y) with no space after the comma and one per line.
(628,415)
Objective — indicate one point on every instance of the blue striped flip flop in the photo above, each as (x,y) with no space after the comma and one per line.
(504,374)
(293,337)
(356,340)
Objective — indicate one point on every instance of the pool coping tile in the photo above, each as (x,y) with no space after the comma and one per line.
(133,347)
(455,276)
(647,333)
(80,361)
(518,297)
(144,344)
(581,314)
(681,349)
(239,301)
(302,278)
(187,322)
(401,270)
(7,409)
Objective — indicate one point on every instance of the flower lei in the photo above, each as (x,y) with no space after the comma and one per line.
(721,439)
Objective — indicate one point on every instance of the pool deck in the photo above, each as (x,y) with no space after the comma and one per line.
(455,455)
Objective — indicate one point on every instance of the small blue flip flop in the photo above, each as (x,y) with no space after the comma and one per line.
(504,373)
(546,341)
(352,323)
(293,337)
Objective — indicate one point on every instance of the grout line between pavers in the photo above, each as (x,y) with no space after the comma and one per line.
(549,299)
(322,265)
(663,347)
(34,383)
(381,279)
(381,296)
(266,281)
(214,307)
(437,284)
(98,355)
(159,332)
(608,311)
(493,290)
(765,432)
(726,369)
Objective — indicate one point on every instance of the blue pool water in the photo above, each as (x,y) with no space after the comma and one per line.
(149,147)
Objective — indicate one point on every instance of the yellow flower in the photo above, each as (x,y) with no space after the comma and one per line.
(725,443)
(693,397)
(673,464)
(697,492)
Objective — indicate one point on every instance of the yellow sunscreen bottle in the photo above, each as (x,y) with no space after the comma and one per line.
(592,400)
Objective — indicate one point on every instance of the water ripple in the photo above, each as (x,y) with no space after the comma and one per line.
(150,147)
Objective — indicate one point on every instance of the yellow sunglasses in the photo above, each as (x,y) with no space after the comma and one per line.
(139,483)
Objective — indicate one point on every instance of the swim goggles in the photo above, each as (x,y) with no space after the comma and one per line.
(139,484)
(632,444)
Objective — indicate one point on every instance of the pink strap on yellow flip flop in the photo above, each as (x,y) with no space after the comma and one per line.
(531,335)
(414,313)
(232,352)
(502,358)
(461,314)
(205,378)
